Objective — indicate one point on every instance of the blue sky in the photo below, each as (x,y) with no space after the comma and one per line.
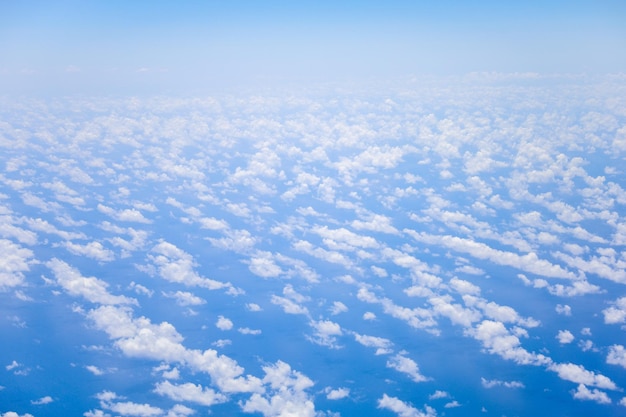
(176,45)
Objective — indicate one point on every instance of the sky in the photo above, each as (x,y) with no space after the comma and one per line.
(312,209)
(159,46)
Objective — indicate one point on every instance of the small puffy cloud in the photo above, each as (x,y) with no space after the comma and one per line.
(464,287)
(382,345)
(491,383)
(262,264)
(616,313)
(175,265)
(565,337)
(563,309)
(452,404)
(93,250)
(578,374)
(94,370)
(337,394)
(223,323)
(375,223)
(584,393)
(125,215)
(407,366)
(288,305)
(90,288)
(338,308)
(14,262)
(368,315)
(184,298)
(438,394)
(403,409)
(497,339)
(285,394)
(189,392)
(325,332)
(247,330)
(617,356)
(253,307)
(43,400)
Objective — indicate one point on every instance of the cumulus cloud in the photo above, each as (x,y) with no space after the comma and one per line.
(616,313)
(578,374)
(286,396)
(175,265)
(584,393)
(491,383)
(529,262)
(337,394)
(325,333)
(565,337)
(189,392)
(93,250)
(617,356)
(403,409)
(125,215)
(14,262)
(223,323)
(91,288)
(407,366)
(43,400)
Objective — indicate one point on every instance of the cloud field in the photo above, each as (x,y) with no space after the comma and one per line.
(427,248)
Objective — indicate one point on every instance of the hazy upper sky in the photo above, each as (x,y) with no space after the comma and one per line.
(124,46)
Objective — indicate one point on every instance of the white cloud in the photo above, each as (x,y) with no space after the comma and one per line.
(125,215)
(403,409)
(325,332)
(375,223)
(43,400)
(617,356)
(91,288)
(464,287)
(578,374)
(368,315)
(287,393)
(418,318)
(189,392)
(337,394)
(407,366)
(289,306)
(14,262)
(565,337)
(438,394)
(563,309)
(583,393)
(253,307)
(490,383)
(184,298)
(247,330)
(497,339)
(93,250)
(382,345)
(94,370)
(338,308)
(176,265)
(223,323)
(616,313)
(140,338)
(529,262)
(262,264)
